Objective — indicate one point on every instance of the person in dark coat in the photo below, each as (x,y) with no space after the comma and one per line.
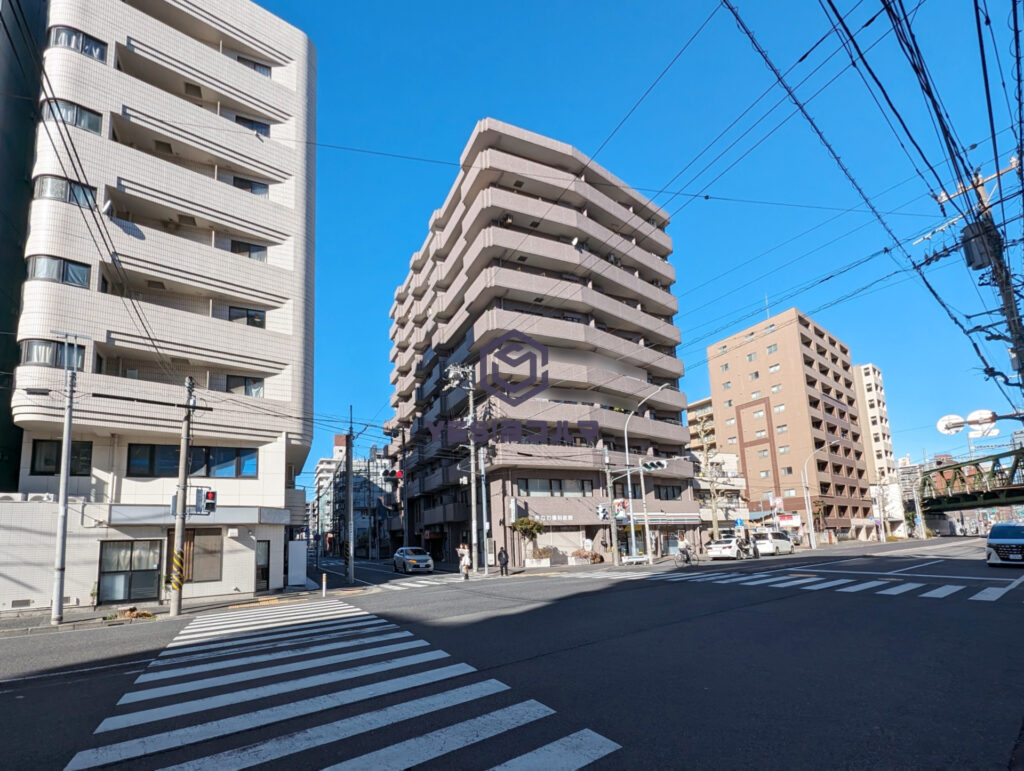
(503,561)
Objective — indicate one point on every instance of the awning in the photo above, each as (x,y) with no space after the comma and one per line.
(661,518)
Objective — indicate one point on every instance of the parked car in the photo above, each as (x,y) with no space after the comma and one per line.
(773,542)
(795,537)
(725,549)
(1005,544)
(413,559)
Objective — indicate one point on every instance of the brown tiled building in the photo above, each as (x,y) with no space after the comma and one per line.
(784,399)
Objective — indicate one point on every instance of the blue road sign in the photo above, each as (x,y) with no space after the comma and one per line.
(738,523)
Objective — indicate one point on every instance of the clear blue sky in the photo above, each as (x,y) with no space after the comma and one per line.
(413,78)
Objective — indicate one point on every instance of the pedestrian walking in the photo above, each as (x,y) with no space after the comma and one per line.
(753,547)
(503,561)
(464,561)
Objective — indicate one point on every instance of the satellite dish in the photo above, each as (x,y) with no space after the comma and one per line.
(981,419)
(950,424)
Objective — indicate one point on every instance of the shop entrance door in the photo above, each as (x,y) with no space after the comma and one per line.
(262,566)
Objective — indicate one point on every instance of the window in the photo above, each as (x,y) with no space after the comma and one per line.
(771,348)
(668,492)
(59,189)
(204,551)
(778,409)
(47,353)
(248,316)
(760,434)
(261,69)
(246,386)
(731,440)
(46,458)
(730,421)
(263,129)
(774,368)
(72,114)
(161,460)
(783,449)
(751,356)
(786,471)
(790,493)
(762,453)
(765,474)
(781,429)
(620,490)
(723,348)
(252,251)
(769,328)
(728,402)
(755,394)
(254,187)
(749,337)
(776,388)
(57,269)
(129,570)
(758,413)
(544,488)
(66,37)
(725,368)
(726,385)
(754,375)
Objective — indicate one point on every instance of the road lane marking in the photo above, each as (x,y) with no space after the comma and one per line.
(828,584)
(745,577)
(900,589)
(943,591)
(863,586)
(768,580)
(567,754)
(797,582)
(173,654)
(271,611)
(187,636)
(915,567)
(695,576)
(994,592)
(283,746)
(277,655)
(147,745)
(435,744)
(713,577)
(916,575)
(262,692)
(258,618)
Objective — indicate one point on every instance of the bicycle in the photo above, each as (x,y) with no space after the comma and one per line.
(685,557)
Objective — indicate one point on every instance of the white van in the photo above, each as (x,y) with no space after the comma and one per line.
(773,542)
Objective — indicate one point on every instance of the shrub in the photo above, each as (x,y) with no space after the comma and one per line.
(591,556)
(544,552)
(892,539)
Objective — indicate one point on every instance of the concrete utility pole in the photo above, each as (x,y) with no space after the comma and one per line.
(463,375)
(709,473)
(611,507)
(178,558)
(70,365)
(350,517)
(402,497)
(483,504)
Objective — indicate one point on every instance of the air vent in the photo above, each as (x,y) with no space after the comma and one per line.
(21,603)
(191,89)
(185,219)
(163,147)
(156,285)
(535,223)
(521,258)
(538,299)
(517,183)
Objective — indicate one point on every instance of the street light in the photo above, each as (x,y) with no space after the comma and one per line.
(807,493)
(629,483)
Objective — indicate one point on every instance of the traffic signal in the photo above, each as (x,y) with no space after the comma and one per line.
(210,502)
(654,465)
(392,476)
(602,511)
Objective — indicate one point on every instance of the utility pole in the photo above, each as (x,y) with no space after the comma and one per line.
(710,474)
(70,365)
(611,507)
(402,498)
(462,374)
(178,558)
(483,504)
(350,517)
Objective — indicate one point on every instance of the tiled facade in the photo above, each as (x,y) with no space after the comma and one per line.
(536,238)
(875,418)
(782,390)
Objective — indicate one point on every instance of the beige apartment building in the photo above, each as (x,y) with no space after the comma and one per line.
(882,474)
(172,229)
(536,239)
(784,399)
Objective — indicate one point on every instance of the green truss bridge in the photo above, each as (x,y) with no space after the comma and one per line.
(994,480)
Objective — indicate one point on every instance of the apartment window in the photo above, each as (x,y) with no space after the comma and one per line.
(749,337)
(161,460)
(762,453)
(758,413)
(72,114)
(778,409)
(790,493)
(781,429)
(248,316)
(260,69)
(754,375)
(245,386)
(152,460)
(261,128)
(751,356)
(668,492)
(252,251)
(620,490)
(557,488)
(47,353)
(783,449)
(233,462)
(760,434)
(66,37)
(765,474)
(725,368)
(769,328)
(204,553)
(774,368)
(60,189)
(723,348)
(786,471)
(731,440)
(726,385)
(46,458)
(730,421)
(45,268)
(728,402)
(250,185)
(130,570)
(771,348)
(755,394)
(776,388)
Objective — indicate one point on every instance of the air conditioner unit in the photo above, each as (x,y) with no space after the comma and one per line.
(12,497)
(41,498)
(506,220)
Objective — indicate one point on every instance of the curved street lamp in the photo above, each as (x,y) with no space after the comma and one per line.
(629,483)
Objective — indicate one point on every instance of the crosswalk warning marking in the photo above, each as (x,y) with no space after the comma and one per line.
(567,754)
(862,587)
(944,591)
(828,584)
(900,589)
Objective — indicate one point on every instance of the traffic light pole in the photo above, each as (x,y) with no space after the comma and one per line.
(178,558)
(611,507)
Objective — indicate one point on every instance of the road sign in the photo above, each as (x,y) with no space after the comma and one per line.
(917,520)
(878,522)
(738,523)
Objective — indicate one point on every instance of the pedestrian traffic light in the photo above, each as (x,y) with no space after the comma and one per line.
(602,511)
(654,465)
(210,501)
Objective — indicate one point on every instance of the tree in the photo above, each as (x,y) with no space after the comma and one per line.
(528,528)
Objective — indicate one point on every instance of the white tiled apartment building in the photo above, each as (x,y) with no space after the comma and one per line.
(172,226)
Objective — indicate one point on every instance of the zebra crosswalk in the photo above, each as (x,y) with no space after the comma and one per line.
(238,689)
(886,585)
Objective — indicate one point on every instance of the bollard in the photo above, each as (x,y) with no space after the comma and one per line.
(324,594)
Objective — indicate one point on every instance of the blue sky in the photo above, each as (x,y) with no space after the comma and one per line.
(413,78)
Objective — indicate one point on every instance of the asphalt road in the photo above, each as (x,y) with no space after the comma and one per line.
(891,656)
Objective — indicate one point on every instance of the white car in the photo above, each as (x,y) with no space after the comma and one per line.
(1005,545)
(725,549)
(413,559)
(774,542)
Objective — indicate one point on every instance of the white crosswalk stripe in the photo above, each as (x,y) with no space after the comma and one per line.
(267,666)
(943,591)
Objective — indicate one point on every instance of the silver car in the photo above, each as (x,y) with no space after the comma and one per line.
(413,559)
